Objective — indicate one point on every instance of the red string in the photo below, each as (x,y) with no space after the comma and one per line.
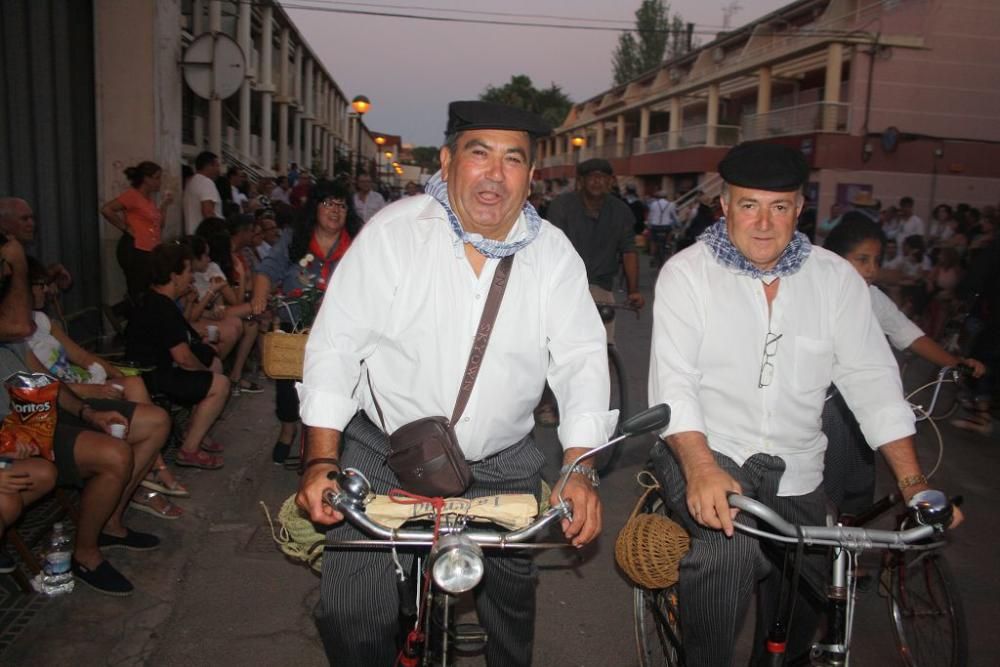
(415,636)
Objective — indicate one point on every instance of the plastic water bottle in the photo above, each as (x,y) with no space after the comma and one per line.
(57,577)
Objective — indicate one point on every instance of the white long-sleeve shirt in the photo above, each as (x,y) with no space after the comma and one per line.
(406,302)
(900,330)
(709,329)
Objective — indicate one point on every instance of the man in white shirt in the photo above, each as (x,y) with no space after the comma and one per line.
(910,223)
(662,221)
(201,197)
(751,325)
(367,202)
(401,312)
(281,190)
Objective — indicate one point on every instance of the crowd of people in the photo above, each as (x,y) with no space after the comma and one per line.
(405,296)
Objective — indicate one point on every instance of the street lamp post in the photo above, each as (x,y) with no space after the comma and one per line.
(360,104)
(379,141)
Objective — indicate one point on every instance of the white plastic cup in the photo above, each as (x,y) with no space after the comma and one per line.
(118,431)
(213,333)
(119,388)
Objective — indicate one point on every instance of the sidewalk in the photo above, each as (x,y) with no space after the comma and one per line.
(218,591)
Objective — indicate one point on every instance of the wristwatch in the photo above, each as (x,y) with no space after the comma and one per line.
(581,469)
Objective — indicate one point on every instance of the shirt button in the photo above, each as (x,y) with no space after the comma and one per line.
(465,419)
(478,295)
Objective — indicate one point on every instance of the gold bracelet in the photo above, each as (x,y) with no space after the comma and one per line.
(911,480)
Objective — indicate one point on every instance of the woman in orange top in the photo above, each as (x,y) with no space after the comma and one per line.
(136,214)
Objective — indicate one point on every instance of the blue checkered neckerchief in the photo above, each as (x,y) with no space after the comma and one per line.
(438,189)
(716,238)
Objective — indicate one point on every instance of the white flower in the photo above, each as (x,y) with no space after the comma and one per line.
(305,261)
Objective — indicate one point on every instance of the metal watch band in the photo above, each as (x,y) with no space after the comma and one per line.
(586,471)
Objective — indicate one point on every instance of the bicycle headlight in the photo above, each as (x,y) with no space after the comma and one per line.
(456,564)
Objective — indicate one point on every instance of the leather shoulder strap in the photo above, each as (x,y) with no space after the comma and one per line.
(490,310)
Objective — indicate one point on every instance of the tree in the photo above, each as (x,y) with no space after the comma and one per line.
(550,103)
(426,157)
(659,35)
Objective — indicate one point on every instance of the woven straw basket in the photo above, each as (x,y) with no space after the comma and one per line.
(649,547)
(283,354)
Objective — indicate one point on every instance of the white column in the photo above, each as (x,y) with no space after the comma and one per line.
(307,93)
(215,104)
(763,102)
(266,84)
(243,39)
(197,17)
(712,116)
(297,115)
(643,128)
(676,118)
(831,91)
(284,91)
(297,137)
(620,135)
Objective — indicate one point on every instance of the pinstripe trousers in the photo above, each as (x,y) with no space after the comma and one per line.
(718,574)
(358,611)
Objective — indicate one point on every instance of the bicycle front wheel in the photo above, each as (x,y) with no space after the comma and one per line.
(604,461)
(926,611)
(657,616)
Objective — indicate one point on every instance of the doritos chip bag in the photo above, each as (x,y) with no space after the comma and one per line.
(33,413)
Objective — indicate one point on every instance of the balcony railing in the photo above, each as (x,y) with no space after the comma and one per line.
(693,135)
(802,119)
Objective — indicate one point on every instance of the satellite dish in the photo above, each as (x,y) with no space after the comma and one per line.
(214,66)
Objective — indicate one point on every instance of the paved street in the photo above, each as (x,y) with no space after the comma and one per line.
(219,592)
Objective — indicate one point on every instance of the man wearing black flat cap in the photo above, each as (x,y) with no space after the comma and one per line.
(601,228)
(751,324)
(391,345)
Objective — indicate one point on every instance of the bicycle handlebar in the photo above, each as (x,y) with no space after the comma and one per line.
(355,490)
(931,508)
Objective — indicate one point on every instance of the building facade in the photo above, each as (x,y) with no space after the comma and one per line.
(894,97)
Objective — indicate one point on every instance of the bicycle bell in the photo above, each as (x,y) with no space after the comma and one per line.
(932,508)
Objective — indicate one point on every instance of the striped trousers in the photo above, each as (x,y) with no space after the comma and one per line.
(358,611)
(718,574)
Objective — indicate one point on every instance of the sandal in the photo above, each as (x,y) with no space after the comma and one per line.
(152,502)
(155,481)
(199,459)
(249,387)
(212,446)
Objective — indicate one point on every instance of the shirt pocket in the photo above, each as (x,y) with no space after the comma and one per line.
(813,363)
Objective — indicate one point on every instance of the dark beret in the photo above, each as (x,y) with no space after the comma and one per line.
(592,165)
(762,166)
(472,115)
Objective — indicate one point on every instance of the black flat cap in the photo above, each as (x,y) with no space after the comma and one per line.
(473,115)
(594,164)
(762,166)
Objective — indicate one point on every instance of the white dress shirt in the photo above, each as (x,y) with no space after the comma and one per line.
(369,206)
(406,302)
(900,330)
(709,329)
(199,188)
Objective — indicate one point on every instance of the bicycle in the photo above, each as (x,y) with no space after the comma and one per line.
(658,615)
(454,563)
(919,590)
(619,384)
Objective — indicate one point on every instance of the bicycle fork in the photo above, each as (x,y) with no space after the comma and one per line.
(833,650)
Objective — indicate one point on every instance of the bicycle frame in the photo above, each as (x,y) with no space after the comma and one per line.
(932,512)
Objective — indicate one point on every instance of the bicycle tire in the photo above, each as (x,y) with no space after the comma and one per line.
(926,611)
(656,615)
(605,461)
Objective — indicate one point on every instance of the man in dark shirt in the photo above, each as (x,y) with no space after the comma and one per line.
(600,227)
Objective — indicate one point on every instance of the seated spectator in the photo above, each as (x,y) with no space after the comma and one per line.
(212,301)
(184,368)
(91,377)
(269,232)
(108,468)
(24,478)
(141,222)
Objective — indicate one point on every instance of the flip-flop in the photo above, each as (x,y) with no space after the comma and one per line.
(155,482)
(199,459)
(144,501)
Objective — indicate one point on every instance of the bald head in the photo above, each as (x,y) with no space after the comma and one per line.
(17,219)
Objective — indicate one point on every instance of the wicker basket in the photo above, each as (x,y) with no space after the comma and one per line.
(283,354)
(649,547)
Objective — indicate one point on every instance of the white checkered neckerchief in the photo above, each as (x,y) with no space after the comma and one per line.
(716,238)
(438,189)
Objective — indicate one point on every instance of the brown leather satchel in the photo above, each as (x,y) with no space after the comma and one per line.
(425,454)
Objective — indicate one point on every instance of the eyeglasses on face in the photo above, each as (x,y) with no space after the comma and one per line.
(766,367)
(333,202)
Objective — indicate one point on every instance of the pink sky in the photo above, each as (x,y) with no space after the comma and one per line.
(411,69)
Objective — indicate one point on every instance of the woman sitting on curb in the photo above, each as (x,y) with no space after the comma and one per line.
(184,368)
